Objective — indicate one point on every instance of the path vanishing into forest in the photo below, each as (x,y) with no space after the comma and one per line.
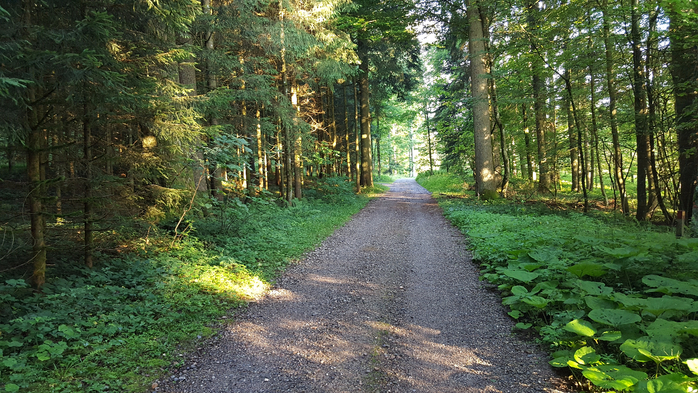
(391,302)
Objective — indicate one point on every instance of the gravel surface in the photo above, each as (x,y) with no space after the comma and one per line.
(390,303)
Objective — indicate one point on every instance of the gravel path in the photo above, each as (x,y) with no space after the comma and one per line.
(390,303)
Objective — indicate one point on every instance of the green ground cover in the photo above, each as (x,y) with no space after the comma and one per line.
(616,301)
(123,324)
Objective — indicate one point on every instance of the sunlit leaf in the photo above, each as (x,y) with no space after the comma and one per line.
(654,349)
(581,327)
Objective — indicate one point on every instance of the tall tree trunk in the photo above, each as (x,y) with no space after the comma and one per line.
(595,133)
(539,100)
(346,129)
(187,78)
(298,147)
(684,69)
(263,182)
(426,120)
(333,130)
(36,197)
(366,159)
(568,84)
(655,194)
(640,103)
(527,142)
(481,107)
(34,144)
(506,172)
(88,218)
(572,136)
(378,140)
(610,79)
(357,133)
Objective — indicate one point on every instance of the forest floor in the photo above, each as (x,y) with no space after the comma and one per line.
(391,302)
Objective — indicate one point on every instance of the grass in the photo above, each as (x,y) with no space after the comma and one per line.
(615,300)
(121,325)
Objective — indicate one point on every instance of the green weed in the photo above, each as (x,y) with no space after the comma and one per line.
(616,301)
(121,325)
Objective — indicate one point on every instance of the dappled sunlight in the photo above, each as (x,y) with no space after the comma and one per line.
(241,285)
(432,361)
(327,280)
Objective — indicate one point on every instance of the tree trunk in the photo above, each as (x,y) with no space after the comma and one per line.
(539,102)
(88,203)
(527,142)
(347,140)
(655,195)
(484,174)
(568,84)
(263,182)
(684,68)
(506,173)
(595,133)
(431,159)
(640,103)
(366,159)
(572,136)
(34,151)
(357,152)
(610,78)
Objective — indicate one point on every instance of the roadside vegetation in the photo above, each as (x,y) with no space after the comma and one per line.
(124,323)
(615,300)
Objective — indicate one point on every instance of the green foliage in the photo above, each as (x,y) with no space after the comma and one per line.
(444,183)
(616,301)
(119,326)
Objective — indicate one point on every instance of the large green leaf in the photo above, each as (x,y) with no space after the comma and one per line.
(586,355)
(581,327)
(634,302)
(671,383)
(621,252)
(663,327)
(593,287)
(519,290)
(545,254)
(657,349)
(614,376)
(670,286)
(587,269)
(594,302)
(690,257)
(611,335)
(535,301)
(657,306)
(614,317)
(520,275)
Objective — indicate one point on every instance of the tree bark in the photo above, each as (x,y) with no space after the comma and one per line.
(595,133)
(684,68)
(34,149)
(426,120)
(539,102)
(572,136)
(357,133)
(640,104)
(366,159)
(610,79)
(527,142)
(484,167)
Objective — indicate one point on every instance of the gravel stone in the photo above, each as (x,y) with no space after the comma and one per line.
(391,302)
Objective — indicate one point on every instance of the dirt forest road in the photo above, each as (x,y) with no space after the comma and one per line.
(390,303)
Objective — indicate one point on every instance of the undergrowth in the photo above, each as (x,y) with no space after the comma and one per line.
(121,325)
(616,301)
